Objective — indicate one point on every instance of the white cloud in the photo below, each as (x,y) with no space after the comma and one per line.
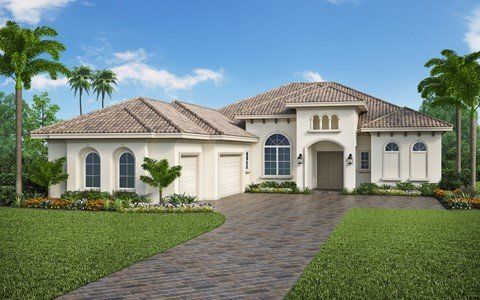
(472,37)
(311,76)
(143,74)
(136,55)
(42,82)
(30,11)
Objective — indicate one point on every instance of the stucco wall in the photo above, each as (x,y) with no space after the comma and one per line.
(434,155)
(263,131)
(109,151)
(346,137)
(363,144)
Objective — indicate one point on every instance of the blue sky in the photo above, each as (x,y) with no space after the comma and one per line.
(218,51)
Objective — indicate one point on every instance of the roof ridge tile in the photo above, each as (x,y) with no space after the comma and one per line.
(216,130)
(149,105)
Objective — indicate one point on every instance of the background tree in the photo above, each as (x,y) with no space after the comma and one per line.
(47,173)
(24,54)
(438,89)
(102,84)
(79,81)
(161,174)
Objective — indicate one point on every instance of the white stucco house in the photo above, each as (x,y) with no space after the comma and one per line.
(321,135)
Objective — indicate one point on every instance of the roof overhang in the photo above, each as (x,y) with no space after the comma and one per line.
(404,129)
(248,117)
(358,104)
(191,136)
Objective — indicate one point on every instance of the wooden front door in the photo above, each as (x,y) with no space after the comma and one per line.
(330,170)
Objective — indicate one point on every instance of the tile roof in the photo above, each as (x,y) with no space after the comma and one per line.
(142,115)
(380,114)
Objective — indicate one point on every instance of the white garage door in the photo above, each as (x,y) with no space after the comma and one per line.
(189,175)
(229,175)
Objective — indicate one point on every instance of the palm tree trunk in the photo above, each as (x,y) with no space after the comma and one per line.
(80,102)
(459,139)
(18,136)
(103,98)
(473,151)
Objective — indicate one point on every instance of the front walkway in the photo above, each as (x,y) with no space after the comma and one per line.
(260,251)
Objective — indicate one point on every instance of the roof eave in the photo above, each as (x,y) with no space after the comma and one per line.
(403,129)
(248,117)
(194,136)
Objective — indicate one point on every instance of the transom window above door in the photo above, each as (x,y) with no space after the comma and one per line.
(277,156)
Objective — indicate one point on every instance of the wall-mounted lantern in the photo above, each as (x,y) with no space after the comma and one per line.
(300,159)
(350,159)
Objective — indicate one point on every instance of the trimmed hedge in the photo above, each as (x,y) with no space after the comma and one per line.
(286,187)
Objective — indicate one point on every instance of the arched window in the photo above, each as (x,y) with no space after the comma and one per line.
(334,122)
(419,147)
(277,155)
(92,170)
(391,147)
(126,171)
(391,161)
(316,122)
(418,161)
(325,122)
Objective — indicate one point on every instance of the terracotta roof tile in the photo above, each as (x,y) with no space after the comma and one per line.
(274,102)
(141,115)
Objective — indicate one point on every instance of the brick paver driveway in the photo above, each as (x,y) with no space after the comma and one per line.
(259,252)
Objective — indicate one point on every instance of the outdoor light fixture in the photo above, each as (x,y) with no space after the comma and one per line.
(300,159)
(350,159)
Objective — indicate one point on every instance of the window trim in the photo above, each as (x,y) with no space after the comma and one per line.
(385,152)
(427,157)
(369,161)
(85,172)
(128,189)
(276,147)
(391,151)
(419,151)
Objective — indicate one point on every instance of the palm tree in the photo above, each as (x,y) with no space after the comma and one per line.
(455,81)
(161,174)
(103,82)
(468,90)
(79,81)
(24,54)
(437,87)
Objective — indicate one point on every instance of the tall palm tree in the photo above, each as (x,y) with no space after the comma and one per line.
(102,83)
(455,80)
(438,87)
(24,54)
(468,90)
(79,81)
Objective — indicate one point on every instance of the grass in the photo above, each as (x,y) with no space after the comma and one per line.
(46,253)
(391,254)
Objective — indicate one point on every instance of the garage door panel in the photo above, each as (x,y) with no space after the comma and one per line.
(189,175)
(229,175)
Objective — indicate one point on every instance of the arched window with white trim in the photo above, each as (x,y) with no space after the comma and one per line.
(325,122)
(92,171)
(277,155)
(126,173)
(391,161)
(418,161)
(316,122)
(334,122)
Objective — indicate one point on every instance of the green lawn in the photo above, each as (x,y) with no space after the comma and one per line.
(388,254)
(46,253)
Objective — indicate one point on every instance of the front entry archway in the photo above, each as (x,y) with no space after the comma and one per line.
(330,170)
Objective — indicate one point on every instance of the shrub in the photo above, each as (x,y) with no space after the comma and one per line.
(345,191)
(178,199)
(7,195)
(396,192)
(117,204)
(405,186)
(385,186)
(452,180)
(439,193)
(366,188)
(90,195)
(95,204)
(286,187)
(428,189)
